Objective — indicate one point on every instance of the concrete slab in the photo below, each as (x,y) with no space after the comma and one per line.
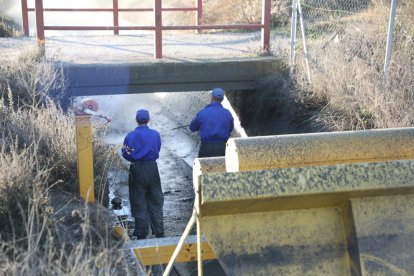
(177,47)
(343,219)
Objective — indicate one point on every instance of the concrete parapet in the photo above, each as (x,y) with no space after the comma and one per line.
(344,219)
(148,77)
(203,166)
(282,151)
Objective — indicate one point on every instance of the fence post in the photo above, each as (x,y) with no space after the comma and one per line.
(199,14)
(116,19)
(390,36)
(25,18)
(293,35)
(158,28)
(266,4)
(40,24)
(305,47)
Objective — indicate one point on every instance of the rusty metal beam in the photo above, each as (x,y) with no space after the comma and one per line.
(282,151)
(40,25)
(158,29)
(116,16)
(25,18)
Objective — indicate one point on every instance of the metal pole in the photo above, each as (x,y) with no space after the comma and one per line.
(293,35)
(199,14)
(390,36)
(40,24)
(158,28)
(116,14)
(266,19)
(180,244)
(85,157)
(25,18)
(305,48)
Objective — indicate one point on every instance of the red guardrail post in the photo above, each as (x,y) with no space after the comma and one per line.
(116,16)
(266,5)
(158,28)
(40,23)
(25,18)
(199,14)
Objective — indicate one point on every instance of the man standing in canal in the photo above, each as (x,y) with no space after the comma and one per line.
(215,124)
(141,148)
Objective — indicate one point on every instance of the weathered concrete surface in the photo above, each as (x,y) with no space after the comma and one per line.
(281,151)
(104,79)
(202,166)
(287,188)
(385,234)
(304,242)
(345,219)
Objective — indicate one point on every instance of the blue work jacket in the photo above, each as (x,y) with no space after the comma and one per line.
(214,122)
(142,144)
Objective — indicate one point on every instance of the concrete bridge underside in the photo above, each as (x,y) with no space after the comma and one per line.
(148,77)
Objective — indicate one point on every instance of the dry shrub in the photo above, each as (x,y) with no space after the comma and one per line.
(231,11)
(31,79)
(30,115)
(347,78)
(38,153)
(5,31)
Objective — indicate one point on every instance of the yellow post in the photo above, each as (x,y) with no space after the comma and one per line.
(85,157)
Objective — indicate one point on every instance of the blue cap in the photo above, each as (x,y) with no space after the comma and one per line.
(218,93)
(142,115)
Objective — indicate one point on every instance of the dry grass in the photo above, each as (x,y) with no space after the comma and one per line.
(348,84)
(37,157)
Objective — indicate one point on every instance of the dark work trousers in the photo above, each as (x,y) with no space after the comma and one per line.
(146,197)
(212,149)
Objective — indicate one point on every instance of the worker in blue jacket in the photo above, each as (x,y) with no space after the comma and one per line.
(141,148)
(215,124)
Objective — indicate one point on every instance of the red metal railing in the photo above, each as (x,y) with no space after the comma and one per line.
(157,28)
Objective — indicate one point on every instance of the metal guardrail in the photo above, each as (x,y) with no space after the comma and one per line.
(158,27)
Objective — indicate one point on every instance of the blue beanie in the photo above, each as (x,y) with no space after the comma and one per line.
(142,115)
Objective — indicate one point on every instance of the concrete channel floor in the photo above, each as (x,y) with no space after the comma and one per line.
(177,152)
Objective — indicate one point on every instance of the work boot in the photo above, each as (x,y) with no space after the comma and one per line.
(161,235)
(139,237)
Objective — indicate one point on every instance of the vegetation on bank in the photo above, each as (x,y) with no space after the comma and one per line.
(5,29)
(348,88)
(45,229)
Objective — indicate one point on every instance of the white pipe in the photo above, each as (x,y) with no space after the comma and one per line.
(180,244)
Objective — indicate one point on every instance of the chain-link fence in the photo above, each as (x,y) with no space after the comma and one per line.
(340,57)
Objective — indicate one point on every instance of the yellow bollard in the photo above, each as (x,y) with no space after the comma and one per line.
(85,157)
